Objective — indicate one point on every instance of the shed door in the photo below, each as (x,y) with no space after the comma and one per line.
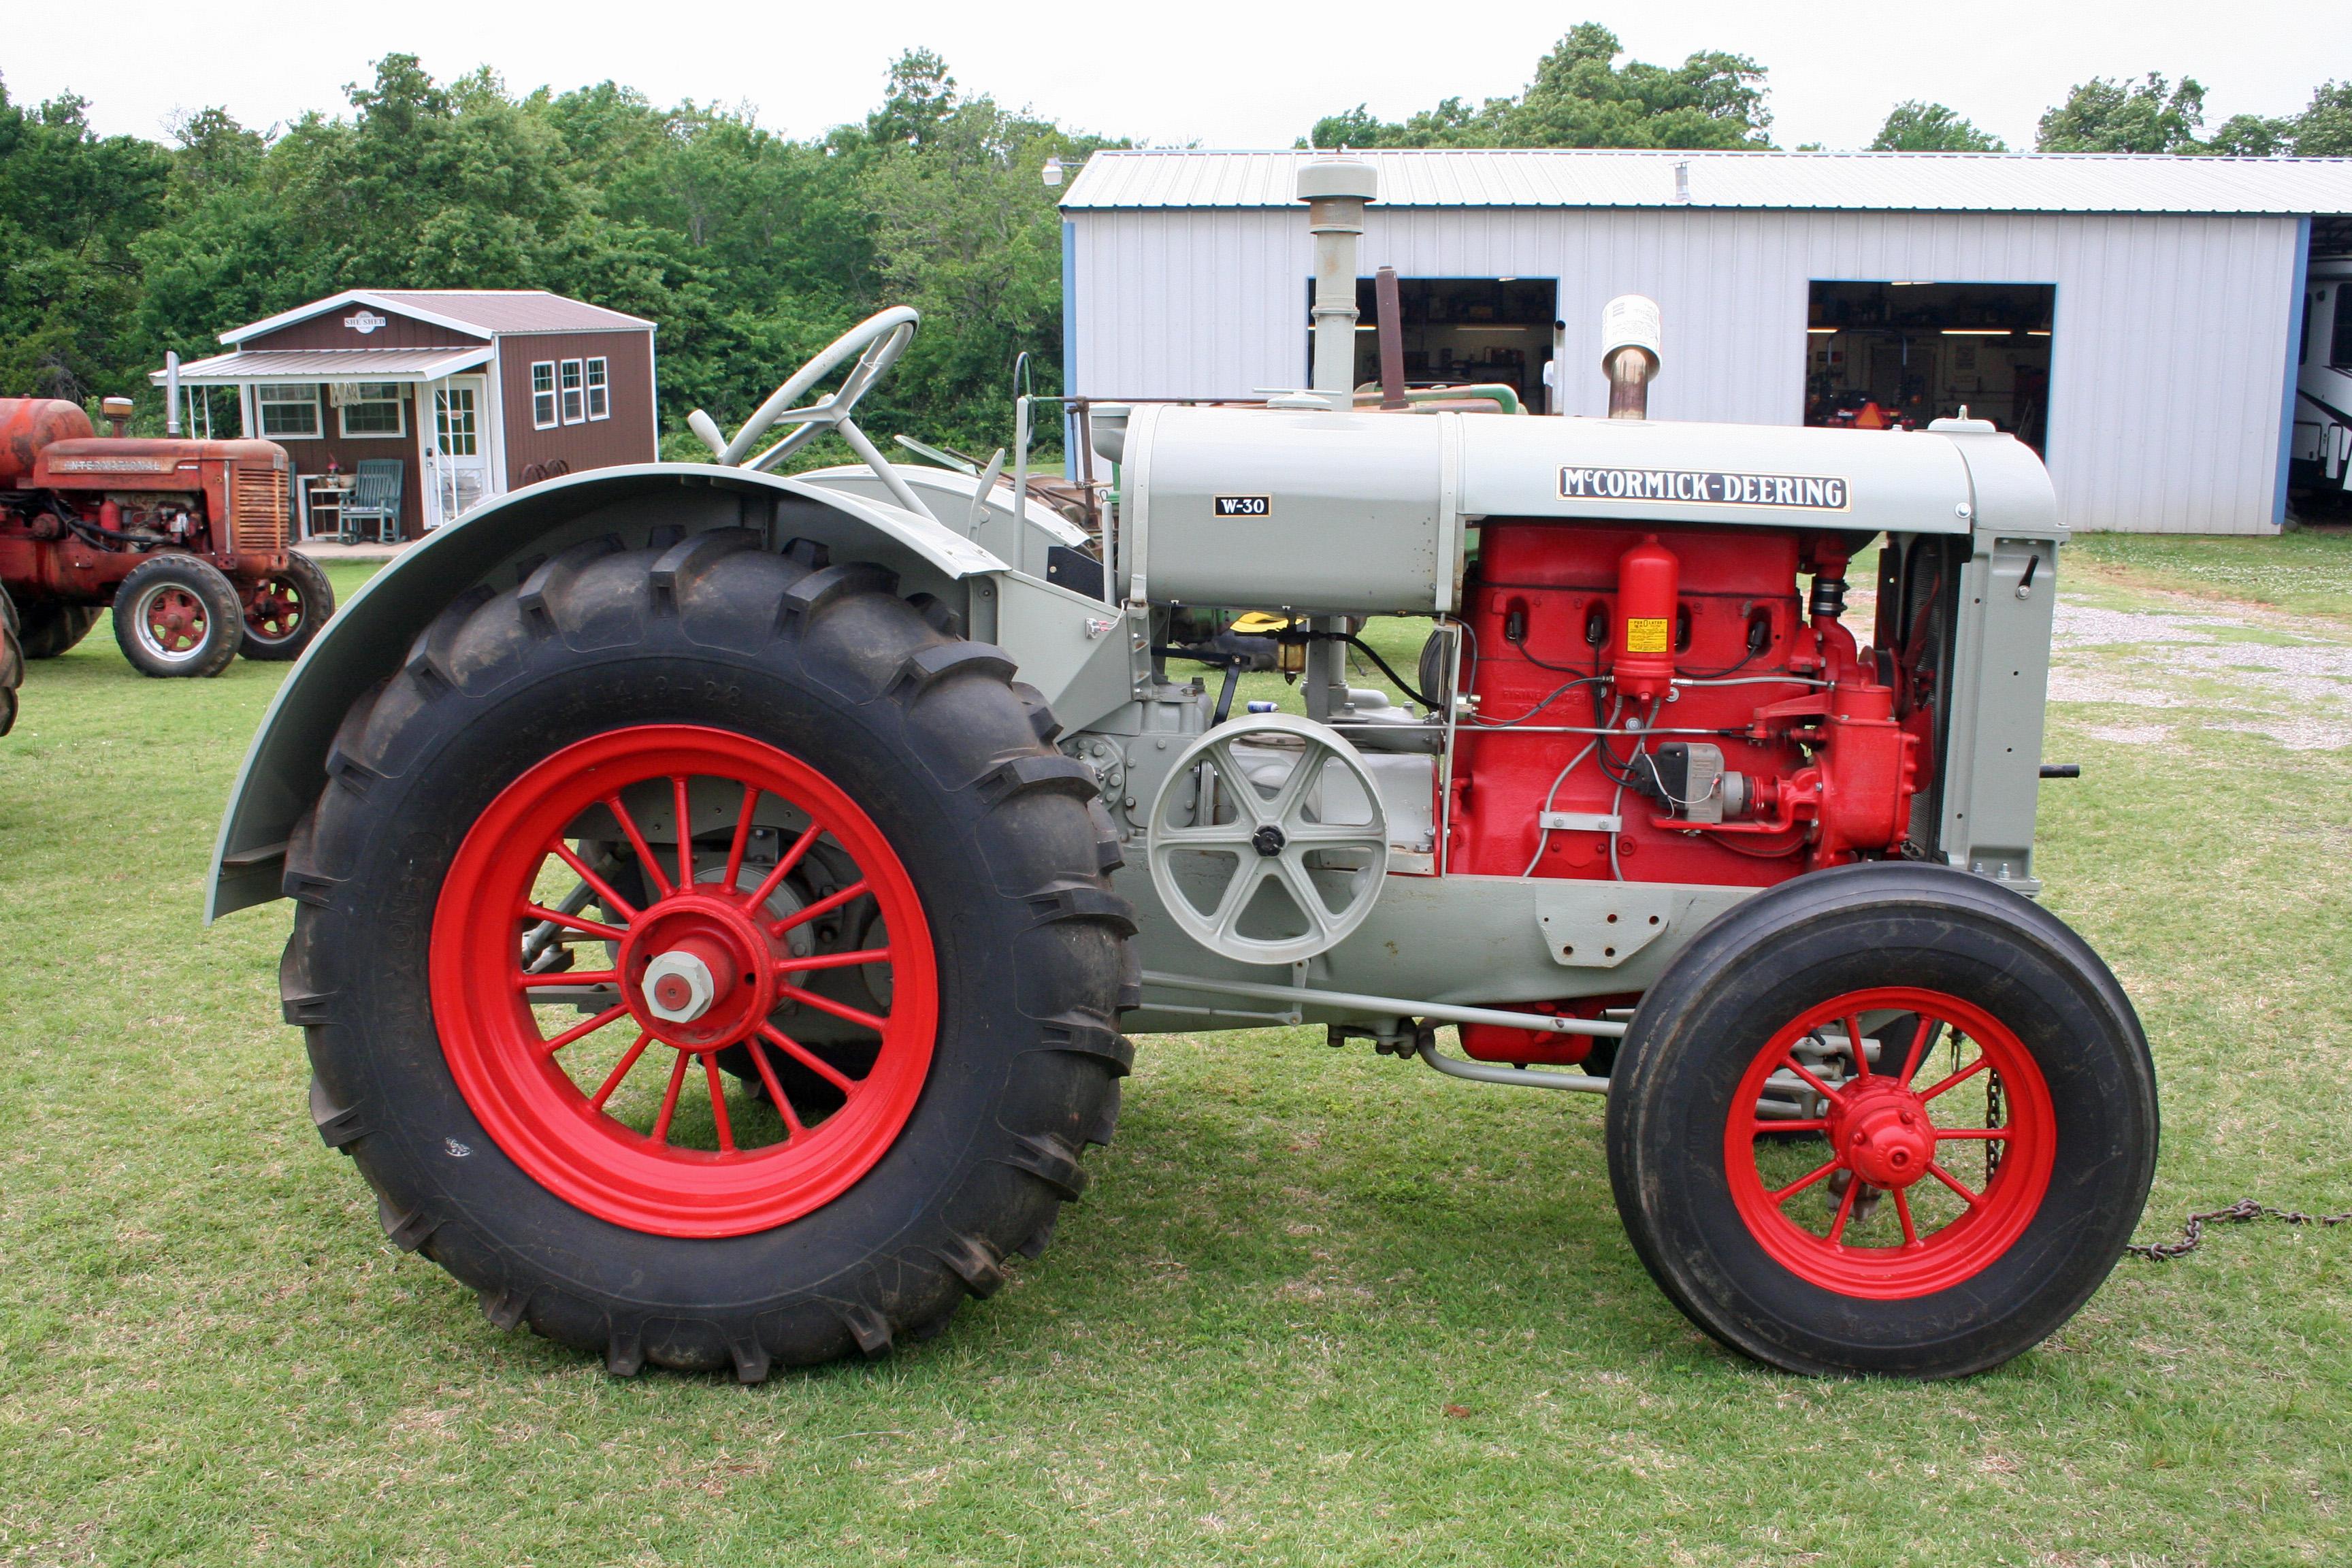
(456,451)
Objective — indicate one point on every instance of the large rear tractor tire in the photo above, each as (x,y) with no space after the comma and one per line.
(892,919)
(176,614)
(50,628)
(12,661)
(284,610)
(1928,1206)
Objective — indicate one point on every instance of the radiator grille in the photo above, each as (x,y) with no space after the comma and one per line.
(257,510)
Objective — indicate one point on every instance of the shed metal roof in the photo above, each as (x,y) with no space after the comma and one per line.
(481,312)
(1891,182)
(327,364)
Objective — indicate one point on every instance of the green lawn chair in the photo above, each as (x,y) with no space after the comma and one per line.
(372,508)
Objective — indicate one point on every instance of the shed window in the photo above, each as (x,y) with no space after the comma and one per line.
(575,400)
(542,394)
(289,413)
(600,401)
(372,408)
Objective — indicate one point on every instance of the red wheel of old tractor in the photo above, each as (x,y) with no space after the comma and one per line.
(176,614)
(1880,1142)
(1884,1119)
(624,1113)
(285,609)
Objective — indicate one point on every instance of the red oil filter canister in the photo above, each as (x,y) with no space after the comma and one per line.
(1648,580)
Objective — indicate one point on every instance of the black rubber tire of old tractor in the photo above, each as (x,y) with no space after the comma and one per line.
(318,598)
(49,628)
(12,661)
(1804,944)
(223,616)
(1008,848)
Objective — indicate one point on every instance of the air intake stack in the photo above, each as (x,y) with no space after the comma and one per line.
(1335,190)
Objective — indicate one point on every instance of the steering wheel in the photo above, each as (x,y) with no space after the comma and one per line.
(1267,840)
(878,342)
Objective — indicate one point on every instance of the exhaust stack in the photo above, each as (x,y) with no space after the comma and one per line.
(1629,357)
(1335,190)
(171,392)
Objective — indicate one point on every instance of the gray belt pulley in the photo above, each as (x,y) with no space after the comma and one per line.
(1267,841)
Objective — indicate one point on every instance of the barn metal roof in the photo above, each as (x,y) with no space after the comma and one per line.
(1904,181)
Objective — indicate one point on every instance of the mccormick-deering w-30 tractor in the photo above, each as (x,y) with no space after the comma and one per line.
(723,900)
(186,540)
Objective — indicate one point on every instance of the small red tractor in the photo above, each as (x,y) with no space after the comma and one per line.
(185,540)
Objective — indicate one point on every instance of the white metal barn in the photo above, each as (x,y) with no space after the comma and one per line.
(2135,318)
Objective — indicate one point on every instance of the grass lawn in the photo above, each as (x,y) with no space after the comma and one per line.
(1318,1307)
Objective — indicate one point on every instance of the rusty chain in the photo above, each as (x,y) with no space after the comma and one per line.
(2192,1234)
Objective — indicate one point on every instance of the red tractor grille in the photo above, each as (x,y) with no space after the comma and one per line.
(257,510)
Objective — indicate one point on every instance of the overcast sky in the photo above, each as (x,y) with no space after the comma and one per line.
(1208,71)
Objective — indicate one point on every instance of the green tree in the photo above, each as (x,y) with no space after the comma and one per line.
(2323,129)
(1915,127)
(2146,116)
(1580,97)
(72,206)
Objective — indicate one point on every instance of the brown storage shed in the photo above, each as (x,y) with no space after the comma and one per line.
(476,391)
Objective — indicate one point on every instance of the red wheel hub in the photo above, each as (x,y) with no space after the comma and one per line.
(745,940)
(1863,1130)
(175,619)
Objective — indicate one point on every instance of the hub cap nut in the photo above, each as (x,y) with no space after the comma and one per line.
(677,987)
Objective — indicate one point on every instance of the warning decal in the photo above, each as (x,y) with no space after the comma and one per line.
(1644,634)
(1802,492)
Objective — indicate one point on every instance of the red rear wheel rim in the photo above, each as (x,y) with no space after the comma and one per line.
(1959,1152)
(552,1091)
(275,612)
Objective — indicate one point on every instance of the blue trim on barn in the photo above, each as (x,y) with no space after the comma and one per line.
(1070,347)
(2294,367)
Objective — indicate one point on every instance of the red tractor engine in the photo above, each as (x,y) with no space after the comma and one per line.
(1664,706)
(185,540)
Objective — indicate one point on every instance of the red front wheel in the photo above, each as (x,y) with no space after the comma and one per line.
(1888,1118)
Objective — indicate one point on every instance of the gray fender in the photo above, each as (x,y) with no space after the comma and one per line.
(501,542)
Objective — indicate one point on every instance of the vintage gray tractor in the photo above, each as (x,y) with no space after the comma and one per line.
(724,900)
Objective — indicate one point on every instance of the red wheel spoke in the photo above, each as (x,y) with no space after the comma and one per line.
(1783,1195)
(718,1104)
(1958,1078)
(581,1031)
(824,906)
(670,1097)
(835,960)
(1922,1043)
(1799,1069)
(810,1059)
(645,856)
(567,977)
(776,1095)
(1814,1125)
(1973,1200)
(790,858)
(573,922)
(685,834)
(1991,1134)
(743,837)
(1853,1045)
(613,900)
(838,1009)
(1845,1208)
(620,1070)
(1902,1213)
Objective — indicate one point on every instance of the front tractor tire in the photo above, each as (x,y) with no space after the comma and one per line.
(176,614)
(785,1086)
(1928,1206)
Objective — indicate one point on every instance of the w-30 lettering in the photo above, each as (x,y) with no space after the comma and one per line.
(1706,487)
